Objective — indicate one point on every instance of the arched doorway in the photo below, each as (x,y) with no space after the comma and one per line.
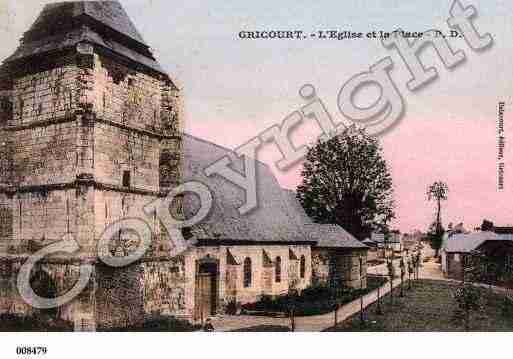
(207,283)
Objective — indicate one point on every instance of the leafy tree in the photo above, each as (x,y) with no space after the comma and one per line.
(438,192)
(487,225)
(346,181)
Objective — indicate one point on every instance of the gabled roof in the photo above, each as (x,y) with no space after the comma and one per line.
(332,236)
(326,235)
(279,217)
(465,243)
(271,221)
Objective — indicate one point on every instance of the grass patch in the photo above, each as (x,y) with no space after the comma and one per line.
(314,300)
(264,328)
(430,307)
(16,323)
(159,324)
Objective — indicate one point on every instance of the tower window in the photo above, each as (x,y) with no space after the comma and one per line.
(126,178)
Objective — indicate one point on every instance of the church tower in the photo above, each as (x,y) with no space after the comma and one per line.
(89,134)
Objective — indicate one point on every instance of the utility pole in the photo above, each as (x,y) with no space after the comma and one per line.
(378,308)
(292,320)
(335,305)
(410,270)
(361,290)
(390,267)
(402,275)
(336,313)
(418,264)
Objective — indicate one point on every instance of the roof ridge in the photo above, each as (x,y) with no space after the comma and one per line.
(129,27)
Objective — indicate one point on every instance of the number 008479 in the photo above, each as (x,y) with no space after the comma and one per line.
(27,350)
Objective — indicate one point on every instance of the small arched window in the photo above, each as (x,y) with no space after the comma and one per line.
(277,270)
(126,178)
(247,272)
(302,267)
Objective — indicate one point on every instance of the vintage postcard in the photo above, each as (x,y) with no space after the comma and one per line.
(258,166)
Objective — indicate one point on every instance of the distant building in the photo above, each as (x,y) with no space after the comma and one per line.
(372,253)
(503,230)
(412,241)
(392,241)
(490,227)
(456,251)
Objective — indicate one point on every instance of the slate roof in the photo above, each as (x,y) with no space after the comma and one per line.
(278,217)
(109,13)
(465,243)
(369,242)
(102,23)
(326,235)
(269,222)
(332,236)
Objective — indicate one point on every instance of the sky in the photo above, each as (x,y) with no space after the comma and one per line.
(233,89)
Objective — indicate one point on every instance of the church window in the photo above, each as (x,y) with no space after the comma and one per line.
(277,270)
(302,267)
(247,272)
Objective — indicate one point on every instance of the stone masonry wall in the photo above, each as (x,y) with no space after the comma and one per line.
(61,124)
(44,155)
(118,150)
(330,265)
(164,288)
(231,277)
(128,296)
(6,222)
(40,218)
(126,96)
(46,95)
(119,296)
(47,280)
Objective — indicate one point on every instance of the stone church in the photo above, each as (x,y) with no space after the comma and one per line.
(90,133)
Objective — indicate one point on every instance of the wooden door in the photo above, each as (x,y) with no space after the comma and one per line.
(206,296)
